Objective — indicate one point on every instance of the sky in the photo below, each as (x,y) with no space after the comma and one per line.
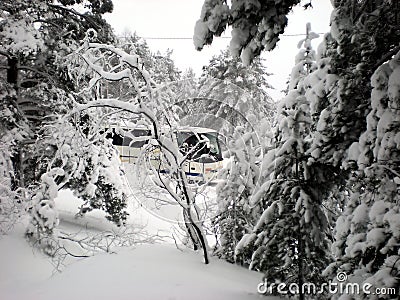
(160,20)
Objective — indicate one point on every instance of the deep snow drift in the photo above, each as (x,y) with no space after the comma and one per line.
(157,271)
(152,271)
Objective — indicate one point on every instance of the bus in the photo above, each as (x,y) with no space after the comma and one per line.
(200,147)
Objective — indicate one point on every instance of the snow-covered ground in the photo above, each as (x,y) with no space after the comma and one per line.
(144,271)
(157,271)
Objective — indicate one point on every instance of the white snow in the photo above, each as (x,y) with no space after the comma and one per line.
(354,151)
(393,219)
(21,36)
(143,272)
(394,80)
(360,215)
(378,210)
(239,35)
(376,237)
(200,31)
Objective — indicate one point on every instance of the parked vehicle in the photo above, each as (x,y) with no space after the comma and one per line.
(199,146)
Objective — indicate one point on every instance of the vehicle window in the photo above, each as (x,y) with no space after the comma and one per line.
(138,133)
(116,138)
(202,145)
(214,145)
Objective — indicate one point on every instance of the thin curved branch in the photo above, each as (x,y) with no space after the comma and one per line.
(6,54)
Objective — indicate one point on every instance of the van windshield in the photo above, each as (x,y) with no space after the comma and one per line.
(203,146)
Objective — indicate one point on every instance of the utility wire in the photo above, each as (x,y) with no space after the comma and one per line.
(220,37)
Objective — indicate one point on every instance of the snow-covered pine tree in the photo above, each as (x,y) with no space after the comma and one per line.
(235,100)
(189,74)
(322,88)
(238,92)
(164,67)
(360,40)
(160,64)
(289,242)
(344,100)
(368,233)
(364,35)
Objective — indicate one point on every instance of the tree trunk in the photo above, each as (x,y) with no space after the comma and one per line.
(12,71)
(300,265)
(196,235)
(16,159)
(190,230)
(16,181)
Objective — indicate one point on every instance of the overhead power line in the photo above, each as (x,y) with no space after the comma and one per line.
(220,37)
